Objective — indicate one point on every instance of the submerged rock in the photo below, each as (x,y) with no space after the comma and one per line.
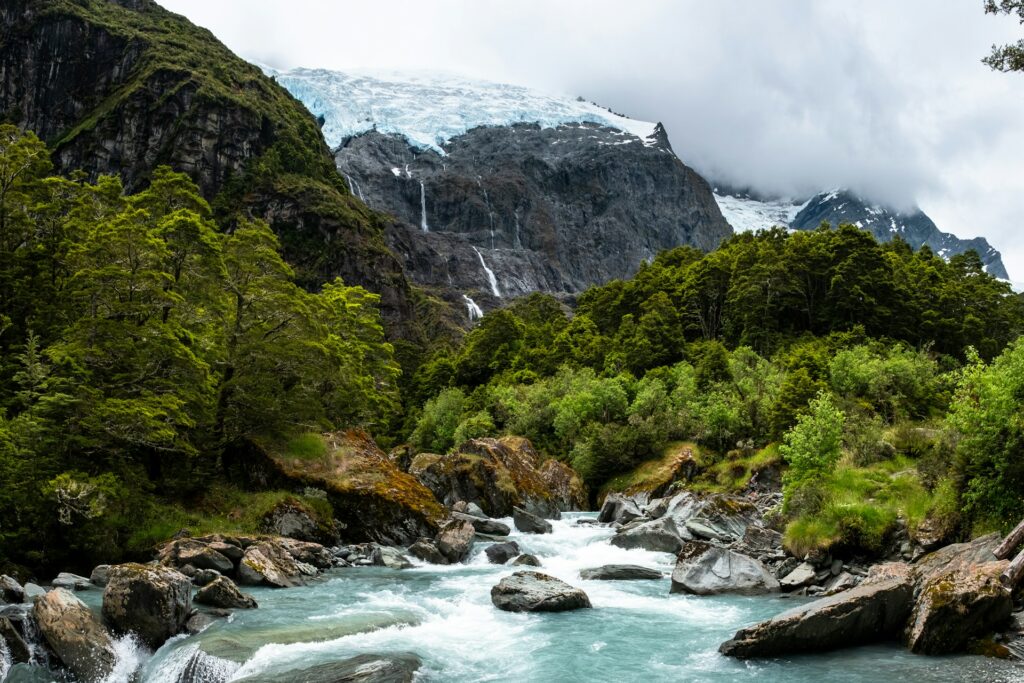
(530,523)
(367,668)
(875,610)
(455,540)
(536,592)
(620,572)
(705,569)
(501,553)
(75,635)
(151,601)
(222,592)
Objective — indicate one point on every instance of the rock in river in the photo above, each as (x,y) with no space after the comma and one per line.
(620,572)
(618,508)
(75,635)
(367,668)
(705,569)
(484,525)
(501,553)
(455,540)
(536,592)
(426,550)
(151,601)
(875,610)
(529,523)
(222,592)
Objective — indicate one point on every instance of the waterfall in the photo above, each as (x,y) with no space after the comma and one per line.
(475,312)
(487,203)
(423,208)
(490,274)
(354,188)
(518,243)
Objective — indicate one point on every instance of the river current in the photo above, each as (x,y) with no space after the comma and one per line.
(636,630)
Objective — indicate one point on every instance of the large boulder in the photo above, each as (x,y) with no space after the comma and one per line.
(530,523)
(499,474)
(875,610)
(455,540)
(100,575)
(392,558)
(484,525)
(75,635)
(365,668)
(958,605)
(267,563)
(151,601)
(618,508)
(196,553)
(536,592)
(73,582)
(620,572)
(426,550)
(306,552)
(801,575)
(658,535)
(501,553)
(10,590)
(222,592)
(705,569)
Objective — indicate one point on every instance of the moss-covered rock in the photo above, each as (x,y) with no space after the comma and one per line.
(499,475)
(151,601)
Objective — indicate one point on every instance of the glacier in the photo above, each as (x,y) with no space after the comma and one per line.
(429,109)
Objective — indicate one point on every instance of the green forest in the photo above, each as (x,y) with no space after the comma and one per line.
(142,337)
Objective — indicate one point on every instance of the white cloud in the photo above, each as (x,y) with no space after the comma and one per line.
(886,98)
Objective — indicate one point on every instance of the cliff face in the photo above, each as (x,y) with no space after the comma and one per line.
(122,87)
(549,209)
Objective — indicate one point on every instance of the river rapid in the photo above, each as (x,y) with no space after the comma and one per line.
(635,631)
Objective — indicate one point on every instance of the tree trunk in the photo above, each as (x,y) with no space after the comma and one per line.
(1010,543)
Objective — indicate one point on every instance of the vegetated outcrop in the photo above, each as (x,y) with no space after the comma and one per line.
(498,475)
(123,86)
(372,499)
(938,605)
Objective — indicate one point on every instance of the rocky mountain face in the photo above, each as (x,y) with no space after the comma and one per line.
(122,86)
(746,210)
(499,191)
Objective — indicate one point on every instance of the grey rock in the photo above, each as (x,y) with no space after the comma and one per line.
(501,553)
(222,592)
(75,635)
(873,611)
(425,549)
(483,525)
(761,540)
(268,564)
(801,576)
(73,582)
(455,540)
(204,577)
(10,590)
(844,581)
(203,556)
(471,509)
(659,535)
(365,668)
(392,558)
(530,523)
(100,575)
(33,591)
(535,592)
(618,508)
(526,560)
(151,601)
(705,569)
(701,530)
(620,572)
(292,520)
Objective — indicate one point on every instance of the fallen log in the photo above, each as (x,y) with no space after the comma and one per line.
(1011,575)
(1010,543)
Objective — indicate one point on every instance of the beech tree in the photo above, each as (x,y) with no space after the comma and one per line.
(1006,57)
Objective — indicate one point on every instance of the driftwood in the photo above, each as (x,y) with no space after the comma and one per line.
(1010,543)
(1012,574)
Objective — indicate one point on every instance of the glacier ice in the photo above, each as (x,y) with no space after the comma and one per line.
(430,109)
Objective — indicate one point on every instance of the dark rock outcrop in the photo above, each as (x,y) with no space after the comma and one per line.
(75,635)
(620,572)
(666,525)
(618,508)
(222,592)
(705,569)
(536,592)
(293,520)
(530,523)
(151,601)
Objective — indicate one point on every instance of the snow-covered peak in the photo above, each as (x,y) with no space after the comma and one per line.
(431,109)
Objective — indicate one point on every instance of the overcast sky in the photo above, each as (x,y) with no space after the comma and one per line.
(788,96)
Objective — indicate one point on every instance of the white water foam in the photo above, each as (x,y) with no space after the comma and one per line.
(475,312)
